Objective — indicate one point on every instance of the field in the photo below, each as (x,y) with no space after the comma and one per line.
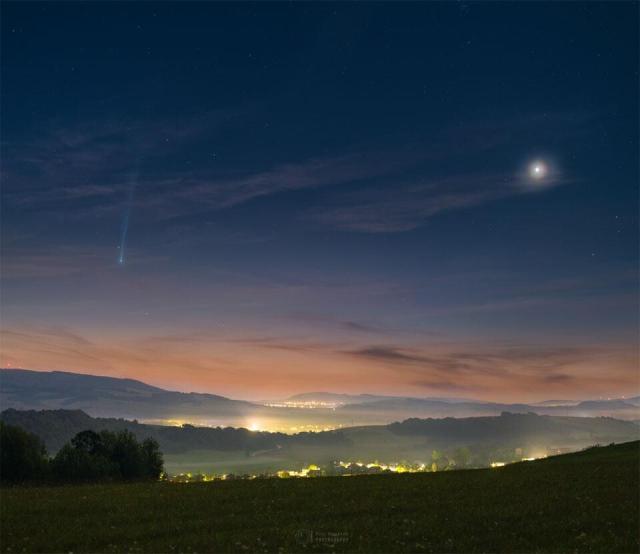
(369,444)
(585,502)
(219,462)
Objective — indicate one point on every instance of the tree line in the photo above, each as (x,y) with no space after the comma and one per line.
(89,456)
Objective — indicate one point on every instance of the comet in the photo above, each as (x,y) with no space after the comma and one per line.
(124,228)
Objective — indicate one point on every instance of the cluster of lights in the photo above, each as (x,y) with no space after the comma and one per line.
(313,428)
(253,425)
(195,478)
(305,404)
(312,470)
(502,464)
(309,471)
(394,468)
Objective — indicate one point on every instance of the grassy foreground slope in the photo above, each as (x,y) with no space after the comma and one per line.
(584,502)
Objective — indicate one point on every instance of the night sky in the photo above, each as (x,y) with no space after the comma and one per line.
(261,199)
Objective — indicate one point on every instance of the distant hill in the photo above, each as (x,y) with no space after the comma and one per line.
(424,407)
(333,397)
(557,403)
(510,429)
(357,398)
(616,404)
(109,396)
(394,407)
(101,396)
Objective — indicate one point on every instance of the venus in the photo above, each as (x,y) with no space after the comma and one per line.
(538,170)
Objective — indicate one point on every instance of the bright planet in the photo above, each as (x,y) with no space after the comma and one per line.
(538,170)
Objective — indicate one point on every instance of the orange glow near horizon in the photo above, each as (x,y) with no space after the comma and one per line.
(272,369)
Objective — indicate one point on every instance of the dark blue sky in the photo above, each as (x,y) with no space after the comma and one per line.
(323,195)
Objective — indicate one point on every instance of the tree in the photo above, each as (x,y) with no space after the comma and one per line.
(438,459)
(152,458)
(88,456)
(108,456)
(462,455)
(77,464)
(127,454)
(23,456)
(88,441)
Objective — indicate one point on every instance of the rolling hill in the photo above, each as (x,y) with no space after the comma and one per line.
(189,448)
(110,396)
(101,396)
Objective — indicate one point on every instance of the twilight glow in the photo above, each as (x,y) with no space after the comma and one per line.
(257,200)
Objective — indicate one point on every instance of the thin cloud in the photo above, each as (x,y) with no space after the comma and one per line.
(444,386)
(487,369)
(360,327)
(503,362)
(84,169)
(403,356)
(198,191)
(558,378)
(335,322)
(409,206)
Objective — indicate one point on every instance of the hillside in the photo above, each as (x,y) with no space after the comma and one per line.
(56,427)
(357,398)
(513,428)
(221,450)
(127,398)
(395,408)
(109,396)
(506,437)
(584,502)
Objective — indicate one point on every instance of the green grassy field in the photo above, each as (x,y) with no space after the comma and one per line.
(585,502)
